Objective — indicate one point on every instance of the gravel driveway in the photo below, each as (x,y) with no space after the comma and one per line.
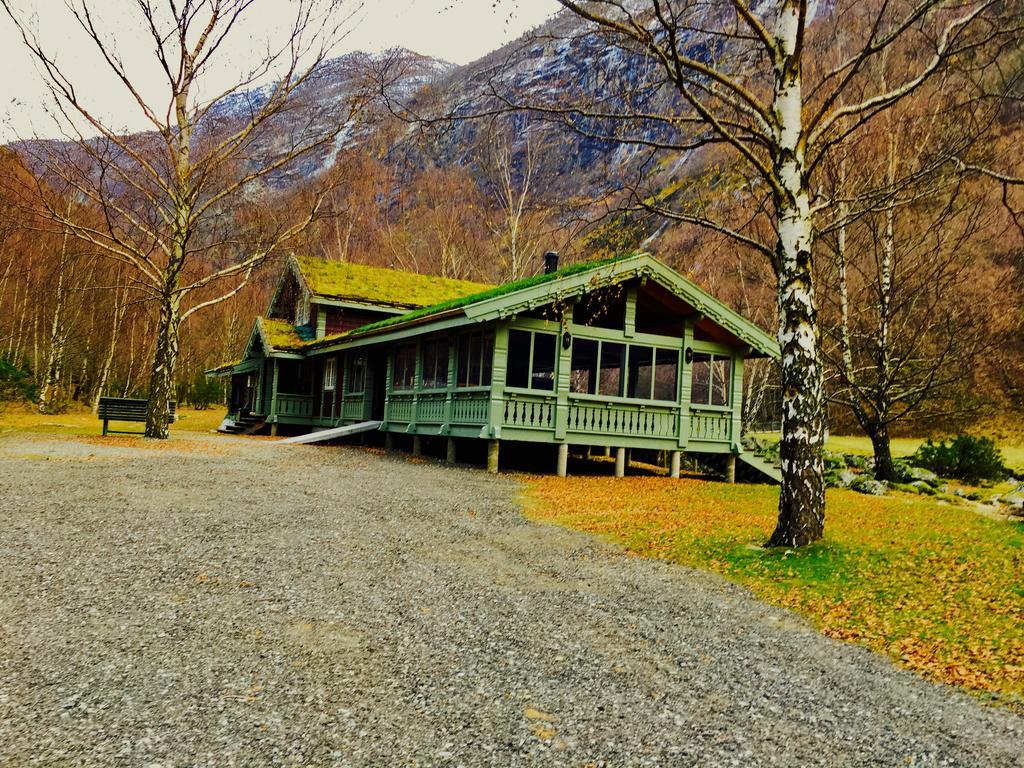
(231,602)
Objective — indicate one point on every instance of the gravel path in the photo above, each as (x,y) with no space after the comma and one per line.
(230,602)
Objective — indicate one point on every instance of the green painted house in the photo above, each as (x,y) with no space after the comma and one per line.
(621,354)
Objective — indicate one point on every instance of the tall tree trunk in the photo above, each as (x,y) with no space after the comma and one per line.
(49,398)
(802,498)
(880,445)
(165,356)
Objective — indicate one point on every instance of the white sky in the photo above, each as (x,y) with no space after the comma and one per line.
(456,30)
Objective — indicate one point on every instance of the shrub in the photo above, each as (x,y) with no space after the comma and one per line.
(16,382)
(967,458)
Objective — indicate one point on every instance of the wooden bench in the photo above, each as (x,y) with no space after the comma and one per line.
(124,409)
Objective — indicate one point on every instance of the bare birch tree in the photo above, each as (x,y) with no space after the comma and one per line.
(169,195)
(781,84)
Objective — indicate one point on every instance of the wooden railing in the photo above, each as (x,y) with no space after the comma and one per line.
(658,421)
(299,406)
(352,407)
(620,418)
(710,426)
(400,407)
(529,411)
(433,408)
(430,408)
(471,407)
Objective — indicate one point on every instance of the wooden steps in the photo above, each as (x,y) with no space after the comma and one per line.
(248,424)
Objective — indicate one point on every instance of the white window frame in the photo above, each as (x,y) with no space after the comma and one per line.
(330,374)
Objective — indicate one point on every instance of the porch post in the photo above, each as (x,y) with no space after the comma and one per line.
(685,384)
(273,399)
(674,465)
(492,456)
(389,442)
(450,455)
(736,400)
(417,445)
(563,460)
(730,468)
(620,462)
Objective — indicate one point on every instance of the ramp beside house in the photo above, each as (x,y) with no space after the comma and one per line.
(332,434)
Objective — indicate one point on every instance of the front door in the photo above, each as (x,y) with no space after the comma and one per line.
(378,364)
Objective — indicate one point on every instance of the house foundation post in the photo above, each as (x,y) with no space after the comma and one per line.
(389,442)
(450,454)
(492,456)
(730,468)
(620,462)
(674,464)
(273,429)
(417,445)
(563,460)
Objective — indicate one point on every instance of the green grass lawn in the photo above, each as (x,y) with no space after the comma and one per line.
(936,587)
(81,421)
(1012,447)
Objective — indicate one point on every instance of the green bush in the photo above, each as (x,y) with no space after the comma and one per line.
(16,382)
(967,458)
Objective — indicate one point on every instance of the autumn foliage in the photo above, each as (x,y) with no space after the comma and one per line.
(936,588)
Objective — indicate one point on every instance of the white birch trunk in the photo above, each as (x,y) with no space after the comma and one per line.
(802,497)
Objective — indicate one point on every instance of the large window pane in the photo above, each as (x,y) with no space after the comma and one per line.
(518,366)
(666,374)
(583,377)
(435,364)
(357,373)
(543,376)
(612,358)
(720,372)
(486,360)
(403,370)
(462,377)
(700,379)
(641,360)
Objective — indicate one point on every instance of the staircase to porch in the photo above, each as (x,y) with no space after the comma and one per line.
(246,424)
(755,457)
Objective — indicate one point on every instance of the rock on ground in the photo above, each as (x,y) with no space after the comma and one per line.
(231,602)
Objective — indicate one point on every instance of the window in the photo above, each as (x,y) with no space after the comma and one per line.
(531,360)
(610,380)
(518,365)
(710,379)
(403,367)
(330,374)
(721,368)
(543,369)
(435,364)
(641,372)
(356,380)
(476,353)
(583,376)
(666,374)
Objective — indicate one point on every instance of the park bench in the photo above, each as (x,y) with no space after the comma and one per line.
(124,409)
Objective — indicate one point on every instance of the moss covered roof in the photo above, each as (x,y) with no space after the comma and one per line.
(283,336)
(463,301)
(380,285)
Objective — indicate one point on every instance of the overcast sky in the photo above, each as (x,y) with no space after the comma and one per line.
(456,30)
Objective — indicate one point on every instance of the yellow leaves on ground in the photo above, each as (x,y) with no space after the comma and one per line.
(937,588)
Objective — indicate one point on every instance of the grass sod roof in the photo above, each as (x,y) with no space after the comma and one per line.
(463,301)
(380,285)
(281,335)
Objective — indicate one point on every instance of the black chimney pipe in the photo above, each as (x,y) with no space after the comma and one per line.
(550,262)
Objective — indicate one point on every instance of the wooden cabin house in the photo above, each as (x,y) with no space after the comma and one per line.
(623,353)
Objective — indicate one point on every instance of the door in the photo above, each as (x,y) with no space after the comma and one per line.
(378,365)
